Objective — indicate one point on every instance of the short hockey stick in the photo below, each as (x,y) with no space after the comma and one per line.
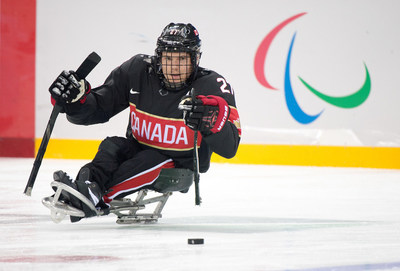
(84,69)
(196,162)
(196,173)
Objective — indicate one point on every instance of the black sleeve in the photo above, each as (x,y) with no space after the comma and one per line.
(105,101)
(225,142)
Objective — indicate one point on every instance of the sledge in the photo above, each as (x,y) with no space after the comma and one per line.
(127,210)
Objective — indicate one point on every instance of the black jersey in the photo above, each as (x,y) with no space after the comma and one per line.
(155,120)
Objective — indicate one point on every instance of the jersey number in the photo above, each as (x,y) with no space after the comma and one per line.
(224,85)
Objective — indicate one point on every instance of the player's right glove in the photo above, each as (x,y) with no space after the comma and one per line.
(207,114)
(68,88)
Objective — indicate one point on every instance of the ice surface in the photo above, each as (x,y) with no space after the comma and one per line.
(252,218)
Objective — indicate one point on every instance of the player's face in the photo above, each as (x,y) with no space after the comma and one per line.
(176,66)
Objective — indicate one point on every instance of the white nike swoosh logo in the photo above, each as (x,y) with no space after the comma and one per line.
(134,92)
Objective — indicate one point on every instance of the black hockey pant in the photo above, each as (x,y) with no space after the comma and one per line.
(121,167)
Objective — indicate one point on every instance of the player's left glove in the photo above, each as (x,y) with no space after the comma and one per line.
(207,114)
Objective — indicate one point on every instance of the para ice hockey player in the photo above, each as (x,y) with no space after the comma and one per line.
(163,118)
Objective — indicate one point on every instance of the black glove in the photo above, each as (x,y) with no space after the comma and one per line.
(207,114)
(68,88)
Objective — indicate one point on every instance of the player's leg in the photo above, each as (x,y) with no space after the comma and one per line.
(113,151)
(136,173)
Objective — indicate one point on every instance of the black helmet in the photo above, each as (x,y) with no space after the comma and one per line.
(179,38)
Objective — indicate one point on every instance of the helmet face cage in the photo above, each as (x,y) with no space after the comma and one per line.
(178,55)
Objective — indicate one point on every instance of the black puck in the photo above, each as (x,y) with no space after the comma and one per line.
(195,241)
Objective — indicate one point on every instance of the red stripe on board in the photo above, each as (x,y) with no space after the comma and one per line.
(16,147)
(17,77)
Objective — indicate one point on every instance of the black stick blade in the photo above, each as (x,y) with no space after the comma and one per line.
(88,65)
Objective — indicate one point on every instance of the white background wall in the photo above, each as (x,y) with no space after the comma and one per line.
(334,40)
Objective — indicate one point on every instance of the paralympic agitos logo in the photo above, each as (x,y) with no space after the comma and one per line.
(350,101)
